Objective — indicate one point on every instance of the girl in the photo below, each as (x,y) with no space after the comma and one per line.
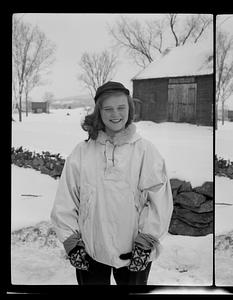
(113,203)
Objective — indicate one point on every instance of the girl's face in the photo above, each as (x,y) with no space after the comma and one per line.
(114,113)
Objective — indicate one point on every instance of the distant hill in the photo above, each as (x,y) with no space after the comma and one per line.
(72,102)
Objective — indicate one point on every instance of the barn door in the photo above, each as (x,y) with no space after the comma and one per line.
(182,102)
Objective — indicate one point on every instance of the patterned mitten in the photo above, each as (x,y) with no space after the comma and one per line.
(78,258)
(139,259)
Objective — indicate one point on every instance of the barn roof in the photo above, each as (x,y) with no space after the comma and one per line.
(187,60)
(38,100)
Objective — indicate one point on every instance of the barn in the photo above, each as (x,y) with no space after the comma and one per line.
(40,106)
(229,108)
(178,87)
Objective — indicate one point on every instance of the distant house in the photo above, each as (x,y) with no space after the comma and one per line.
(40,106)
(228,109)
(230,115)
(178,87)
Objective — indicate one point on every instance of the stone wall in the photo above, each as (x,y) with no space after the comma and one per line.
(46,163)
(223,167)
(193,208)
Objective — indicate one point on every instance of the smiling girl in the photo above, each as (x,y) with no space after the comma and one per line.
(113,203)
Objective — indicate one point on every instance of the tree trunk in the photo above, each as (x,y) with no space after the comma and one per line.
(223,113)
(20,107)
(26,100)
(216,116)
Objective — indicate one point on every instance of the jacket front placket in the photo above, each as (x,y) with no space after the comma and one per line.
(109,156)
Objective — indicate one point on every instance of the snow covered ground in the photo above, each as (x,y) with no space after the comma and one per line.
(224,140)
(184,261)
(224,210)
(188,152)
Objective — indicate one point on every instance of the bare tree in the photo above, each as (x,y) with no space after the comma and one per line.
(224,70)
(146,42)
(48,97)
(30,83)
(97,69)
(188,28)
(142,41)
(32,54)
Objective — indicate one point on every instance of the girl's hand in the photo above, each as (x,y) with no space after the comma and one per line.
(139,259)
(78,258)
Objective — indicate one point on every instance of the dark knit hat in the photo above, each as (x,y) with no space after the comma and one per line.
(110,86)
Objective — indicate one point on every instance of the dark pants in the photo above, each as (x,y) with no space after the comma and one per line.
(99,273)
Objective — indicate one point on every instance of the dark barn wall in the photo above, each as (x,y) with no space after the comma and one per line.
(204,106)
(154,94)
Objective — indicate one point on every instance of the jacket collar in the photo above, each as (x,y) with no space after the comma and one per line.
(128,135)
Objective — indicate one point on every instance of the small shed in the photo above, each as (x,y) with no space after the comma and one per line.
(229,108)
(178,87)
(40,106)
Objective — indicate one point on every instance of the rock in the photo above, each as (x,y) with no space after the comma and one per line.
(230,170)
(224,241)
(37,162)
(189,199)
(193,217)
(176,183)
(181,228)
(207,206)
(44,170)
(55,174)
(185,187)
(206,189)
(192,223)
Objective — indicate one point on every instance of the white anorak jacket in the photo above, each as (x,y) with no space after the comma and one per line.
(110,191)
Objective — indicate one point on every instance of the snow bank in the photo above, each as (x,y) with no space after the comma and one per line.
(224,205)
(224,140)
(184,260)
(224,209)
(31,265)
(224,185)
(32,196)
(181,263)
(56,132)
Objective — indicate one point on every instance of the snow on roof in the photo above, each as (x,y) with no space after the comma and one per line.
(39,100)
(187,60)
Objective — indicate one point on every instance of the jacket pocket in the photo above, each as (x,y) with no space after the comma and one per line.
(140,200)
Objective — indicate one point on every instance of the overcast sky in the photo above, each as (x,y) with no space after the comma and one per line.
(74,34)
(225,22)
